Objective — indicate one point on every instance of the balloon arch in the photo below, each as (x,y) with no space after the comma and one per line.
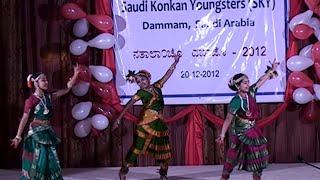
(300,88)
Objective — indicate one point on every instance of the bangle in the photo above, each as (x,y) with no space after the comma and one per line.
(222,135)
(271,73)
(172,67)
(18,137)
(69,84)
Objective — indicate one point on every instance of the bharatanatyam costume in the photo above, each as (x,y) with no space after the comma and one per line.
(39,156)
(152,135)
(248,147)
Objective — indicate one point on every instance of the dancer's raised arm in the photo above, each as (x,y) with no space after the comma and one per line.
(171,69)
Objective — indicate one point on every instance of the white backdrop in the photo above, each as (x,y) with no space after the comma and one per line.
(217,39)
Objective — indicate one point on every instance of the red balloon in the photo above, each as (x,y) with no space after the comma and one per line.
(80,3)
(103,90)
(310,89)
(94,132)
(289,93)
(72,11)
(317,69)
(85,74)
(293,49)
(299,79)
(293,106)
(315,52)
(105,109)
(317,10)
(302,31)
(312,4)
(81,59)
(310,112)
(102,22)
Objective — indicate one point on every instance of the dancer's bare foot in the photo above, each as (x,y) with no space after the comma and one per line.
(163,177)
(25,174)
(224,177)
(123,172)
(256,177)
(122,176)
(163,174)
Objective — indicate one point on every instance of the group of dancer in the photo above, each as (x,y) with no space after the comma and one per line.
(247,148)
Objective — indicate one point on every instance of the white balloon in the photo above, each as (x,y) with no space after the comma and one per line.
(306,51)
(316,88)
(283,82)
(81,27)
(303,18)
(317,34)
(101,73)
(81,88)
(100,121)
(314,23)
(78,47)
(102,41)
(82,128)
(299,63)
(302,96)
(81,110)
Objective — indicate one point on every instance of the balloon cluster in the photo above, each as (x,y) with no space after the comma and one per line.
(102,76)
(104,23)
(99,121)
(303,88)
(103,112)
(94,76)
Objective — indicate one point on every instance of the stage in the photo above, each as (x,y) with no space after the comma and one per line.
(274,172)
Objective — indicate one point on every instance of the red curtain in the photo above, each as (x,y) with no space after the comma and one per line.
(193,151)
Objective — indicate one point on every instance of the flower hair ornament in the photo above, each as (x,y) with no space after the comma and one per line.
(131,76)
(32,78)
(234,83)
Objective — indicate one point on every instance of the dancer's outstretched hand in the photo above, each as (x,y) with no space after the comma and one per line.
(274,64)
(115,125)
(176,56)
(76,69)
(14,142)
(220,140)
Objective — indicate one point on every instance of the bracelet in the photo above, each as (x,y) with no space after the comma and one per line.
(271,73)
(222,135)
(69,84)
(19,138)
(172,67)
(118,122)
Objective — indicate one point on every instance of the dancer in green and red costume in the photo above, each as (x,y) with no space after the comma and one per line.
(152,135)
(39,158)
(248,146)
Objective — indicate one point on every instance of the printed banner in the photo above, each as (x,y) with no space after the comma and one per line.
(216,38)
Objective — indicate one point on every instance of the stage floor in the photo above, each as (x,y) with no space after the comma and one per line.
(273,172)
